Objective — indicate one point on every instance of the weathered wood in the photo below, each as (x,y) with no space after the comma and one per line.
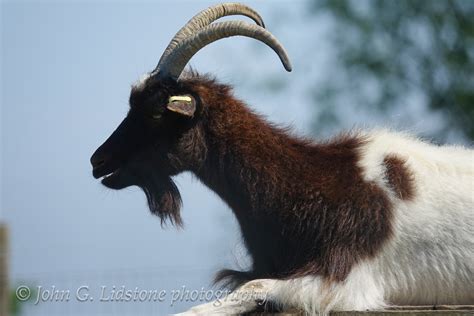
(434,307)
(436,310)
(384,313)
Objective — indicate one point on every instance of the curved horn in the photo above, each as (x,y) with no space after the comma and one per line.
(206,17)
(175,62)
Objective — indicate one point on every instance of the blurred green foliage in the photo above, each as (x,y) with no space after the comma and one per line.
(402,46)
(16,305)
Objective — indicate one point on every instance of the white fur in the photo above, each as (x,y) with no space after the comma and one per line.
(243,300)
(428,261)
(140,83)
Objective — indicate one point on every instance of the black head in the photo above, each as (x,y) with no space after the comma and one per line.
(156,140)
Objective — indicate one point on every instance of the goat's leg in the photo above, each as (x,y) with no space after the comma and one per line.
(243,300)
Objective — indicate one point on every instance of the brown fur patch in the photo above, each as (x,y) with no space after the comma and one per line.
(303,207)
(399,177)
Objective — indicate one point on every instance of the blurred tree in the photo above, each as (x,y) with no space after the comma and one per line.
(16,306)
(388,50)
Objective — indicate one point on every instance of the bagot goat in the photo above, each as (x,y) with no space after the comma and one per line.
(362,221)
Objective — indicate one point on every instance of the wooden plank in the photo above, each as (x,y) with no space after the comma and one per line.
(436,310)
(384,313)
(407,312)
(434,307)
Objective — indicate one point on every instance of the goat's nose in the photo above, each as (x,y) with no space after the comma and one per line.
(97,160)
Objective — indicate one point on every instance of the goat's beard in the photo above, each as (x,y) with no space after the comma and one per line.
(162,194)
(163,198)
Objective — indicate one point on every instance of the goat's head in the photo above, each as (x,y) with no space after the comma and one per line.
(161,135)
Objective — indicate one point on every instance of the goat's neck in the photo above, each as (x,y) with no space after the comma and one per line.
(284,190)
(249,163)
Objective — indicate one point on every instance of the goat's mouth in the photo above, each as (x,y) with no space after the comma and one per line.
(117,180)
(112,177)
(103,170)
(162,194)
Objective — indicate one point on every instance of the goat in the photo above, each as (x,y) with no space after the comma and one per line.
(362,221)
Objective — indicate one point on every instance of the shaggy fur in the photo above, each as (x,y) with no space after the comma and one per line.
(303,207)
(362,221)
(399,177)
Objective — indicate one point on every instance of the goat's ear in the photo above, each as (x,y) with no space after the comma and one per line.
(182,104)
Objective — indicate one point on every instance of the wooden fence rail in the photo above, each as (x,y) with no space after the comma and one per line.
(438,310)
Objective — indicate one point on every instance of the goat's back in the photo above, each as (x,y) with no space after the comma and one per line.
(430,258)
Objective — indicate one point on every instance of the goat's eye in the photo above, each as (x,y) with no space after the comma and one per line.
(157,113)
